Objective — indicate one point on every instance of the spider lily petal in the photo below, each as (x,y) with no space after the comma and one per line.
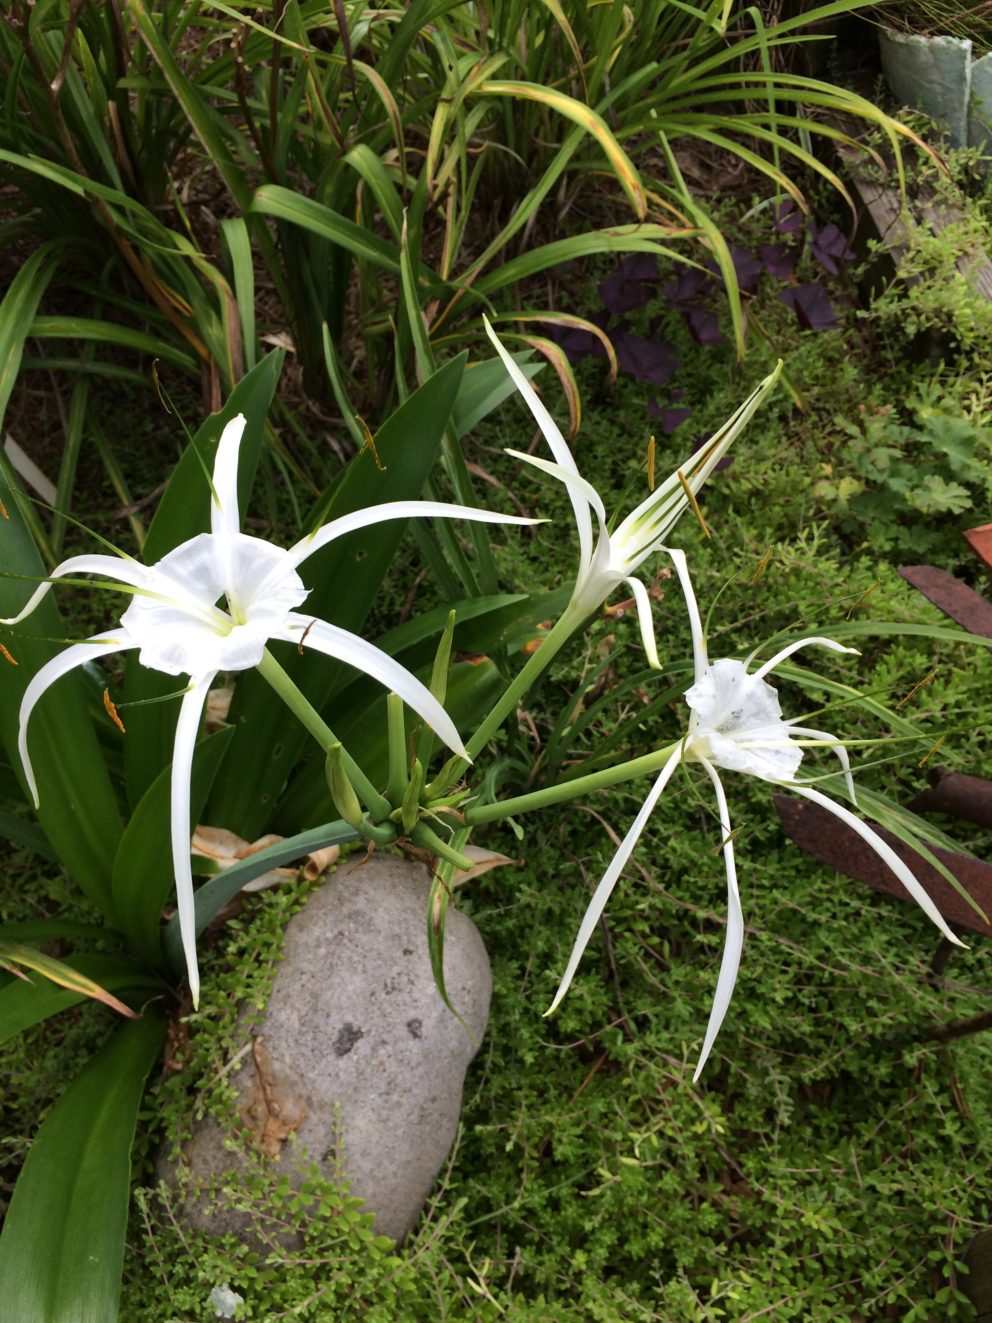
(609,880)
(734,941)
(377,514)
(616,556)
(736,724)
(121,569)
(365,656)
(187,729)
(210,605)
(80,654)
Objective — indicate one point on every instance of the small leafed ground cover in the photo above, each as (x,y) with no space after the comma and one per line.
(831,1163)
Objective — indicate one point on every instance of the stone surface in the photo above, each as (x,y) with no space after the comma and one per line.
(357,1058)
(932,74)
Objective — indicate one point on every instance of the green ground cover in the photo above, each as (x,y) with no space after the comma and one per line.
(829,1165)
(833,1161)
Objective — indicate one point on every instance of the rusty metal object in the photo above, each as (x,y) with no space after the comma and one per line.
(958,795)
(832,843)
(970,609)
(980,541)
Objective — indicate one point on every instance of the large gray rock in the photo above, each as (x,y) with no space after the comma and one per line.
(357,1064)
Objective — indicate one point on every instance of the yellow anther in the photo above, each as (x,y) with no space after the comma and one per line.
(7,656)
(369,441)
(863,598)
(726,841)
(651,449)
(112,713)
(927,679)
(299,646)
(928,756)
(694,503)
(762,565)
(3,511)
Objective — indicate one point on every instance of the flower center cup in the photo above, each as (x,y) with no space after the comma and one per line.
(737,723)
(212,603)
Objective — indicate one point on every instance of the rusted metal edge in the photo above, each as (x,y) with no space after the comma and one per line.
(829,841)
(969,609)
(958,795)
(980,541)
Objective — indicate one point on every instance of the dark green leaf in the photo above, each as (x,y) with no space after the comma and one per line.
(143,876)
(62,1248)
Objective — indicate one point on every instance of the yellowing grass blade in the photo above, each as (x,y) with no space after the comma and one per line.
(17,958)
(588,119)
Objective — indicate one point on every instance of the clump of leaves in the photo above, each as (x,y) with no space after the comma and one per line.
(640,299)
(911,486)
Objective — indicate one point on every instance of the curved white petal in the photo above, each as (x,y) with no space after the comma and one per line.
(583,496)
(836,746)
(609,880)
(646,621)
(658,513)
(100,645)
(122,568)
(225,517)
(187,728)
(365,656)
(734,941)
(377,514)
(552,433)
(885,853)
(556,442)
(700,660)
(830,644)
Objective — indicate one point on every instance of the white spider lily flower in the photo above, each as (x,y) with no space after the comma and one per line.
(736,725)
(608,559)
(211,605)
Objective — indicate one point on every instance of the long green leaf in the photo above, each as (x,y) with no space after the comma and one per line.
(143,876)
(215,893)
(284,204)
(78,809)
(62,1248)
(24,1004)
(16,957)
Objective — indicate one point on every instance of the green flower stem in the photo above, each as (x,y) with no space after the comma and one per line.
(396,730)
(307,714)
(581,785)
(559,634)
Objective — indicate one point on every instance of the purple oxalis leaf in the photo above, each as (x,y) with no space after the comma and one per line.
(779,260)
(703,326)
(830,247)
(689,288)
(630,286)
(577,342)
(672,415)
(811,305)
(746,266)
(645,360)
(788,217)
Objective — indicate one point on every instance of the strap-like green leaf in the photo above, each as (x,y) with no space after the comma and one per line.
(143,876)
(62,1248)
(16,957)
(24,1004)
(78,811)
(215,894)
